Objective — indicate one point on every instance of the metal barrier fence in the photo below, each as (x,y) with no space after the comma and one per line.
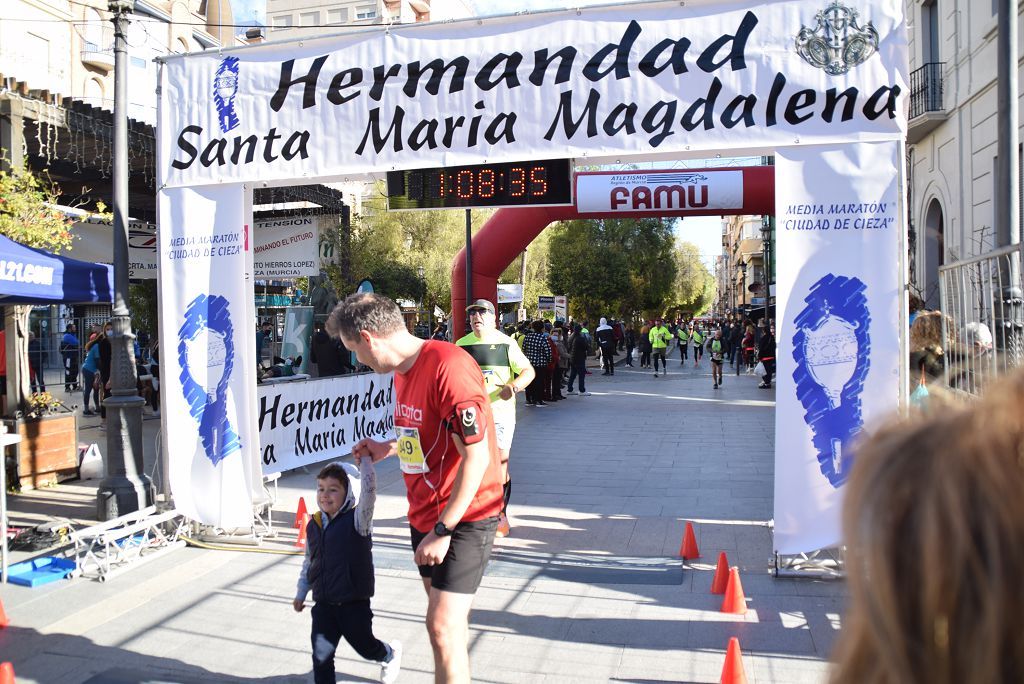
(981,298)
(49,357)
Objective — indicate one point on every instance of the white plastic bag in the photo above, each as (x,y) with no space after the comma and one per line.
(91,466)
(759,369)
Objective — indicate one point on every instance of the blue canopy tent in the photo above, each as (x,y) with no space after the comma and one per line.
(32,276)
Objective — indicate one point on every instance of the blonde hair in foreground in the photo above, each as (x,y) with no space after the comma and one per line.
(934,525)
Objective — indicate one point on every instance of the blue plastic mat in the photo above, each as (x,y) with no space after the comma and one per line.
(39,571)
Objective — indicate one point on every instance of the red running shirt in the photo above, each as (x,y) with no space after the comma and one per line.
(441,395)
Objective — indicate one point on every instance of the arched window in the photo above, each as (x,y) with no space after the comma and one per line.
(934,252)
(182,46)
(94,30)
(94,92)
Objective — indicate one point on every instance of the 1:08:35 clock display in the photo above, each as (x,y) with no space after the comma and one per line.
(484,185)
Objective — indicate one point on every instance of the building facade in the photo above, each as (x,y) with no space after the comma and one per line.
(66,49)
(952,149)
(299,18)
(745,286)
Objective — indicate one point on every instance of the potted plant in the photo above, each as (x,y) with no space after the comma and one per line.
(48,451)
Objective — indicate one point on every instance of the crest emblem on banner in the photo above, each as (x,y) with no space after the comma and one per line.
(838,43)
(225,88)
(831,348)
(206,354)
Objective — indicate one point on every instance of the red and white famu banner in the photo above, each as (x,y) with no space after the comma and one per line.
(641,80)
(838,330)
(637,191)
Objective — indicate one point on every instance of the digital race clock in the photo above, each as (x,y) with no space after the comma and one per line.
(484,185)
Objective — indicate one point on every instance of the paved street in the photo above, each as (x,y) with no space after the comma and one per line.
(588,588)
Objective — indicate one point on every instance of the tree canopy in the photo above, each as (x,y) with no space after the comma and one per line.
(29,212)
(620,268)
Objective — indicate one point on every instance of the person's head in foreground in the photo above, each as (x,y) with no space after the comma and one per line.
(934,523)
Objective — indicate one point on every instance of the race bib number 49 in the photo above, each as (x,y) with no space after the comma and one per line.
(410,453)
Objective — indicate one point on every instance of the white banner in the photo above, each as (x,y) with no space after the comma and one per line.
(309,421)
(657,80)
(631,192)
(207,354)
(511,292)
(286,248)
(95,242)
(561,307)
(838,355)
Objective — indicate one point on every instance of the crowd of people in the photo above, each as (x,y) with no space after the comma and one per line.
(86,364)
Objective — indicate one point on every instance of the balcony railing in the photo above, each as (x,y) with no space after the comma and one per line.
(926,89)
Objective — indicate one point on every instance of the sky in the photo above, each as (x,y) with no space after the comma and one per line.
(246,11)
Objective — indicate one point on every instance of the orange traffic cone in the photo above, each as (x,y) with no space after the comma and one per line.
(735,602)
(732,669)
(721,578)
(6,673)
(688,549)
(4,621)
(300,513)
(300,541)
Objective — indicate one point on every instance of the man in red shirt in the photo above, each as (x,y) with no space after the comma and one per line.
(446,443)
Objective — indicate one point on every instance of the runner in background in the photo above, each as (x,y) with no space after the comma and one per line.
(507,372)
(698,345)
(660,337)
(717,350)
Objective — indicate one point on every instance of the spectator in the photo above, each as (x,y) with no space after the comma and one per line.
(736,344)
(264,339)
(329,355)
(578,351)
(933,517)
(538,352)
(766,355)
(606,341)
(645,345)
(91,383)
(630,342)
(69,351)
(558,337)
(106,352)
(36,363)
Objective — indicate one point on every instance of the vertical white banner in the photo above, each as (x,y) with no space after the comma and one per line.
(207,354)
(838,334)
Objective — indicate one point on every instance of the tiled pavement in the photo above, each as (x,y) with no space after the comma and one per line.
(587,589)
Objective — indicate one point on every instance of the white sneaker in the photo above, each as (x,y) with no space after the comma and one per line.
(585,394)
(389,669)
(571,392)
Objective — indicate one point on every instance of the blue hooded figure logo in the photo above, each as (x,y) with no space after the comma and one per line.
(225,88)
(831,349)
(206,352)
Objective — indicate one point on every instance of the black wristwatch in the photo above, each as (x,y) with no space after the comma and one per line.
(441,530)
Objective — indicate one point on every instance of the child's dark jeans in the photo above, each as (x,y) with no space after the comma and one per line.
(332,621)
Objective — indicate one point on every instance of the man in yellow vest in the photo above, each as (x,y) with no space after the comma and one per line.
(660,338)
(698,345)
(506,372)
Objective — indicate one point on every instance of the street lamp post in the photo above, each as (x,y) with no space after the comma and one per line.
(766,236)
(420,271)
(125,488)
(743,271)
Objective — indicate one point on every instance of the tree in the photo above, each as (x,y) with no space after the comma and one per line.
(694,287)
(390,248)
(537,270)
(647,243)
(28,215)
(610,268)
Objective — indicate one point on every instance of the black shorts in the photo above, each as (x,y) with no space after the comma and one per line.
(716,361)
(463,565)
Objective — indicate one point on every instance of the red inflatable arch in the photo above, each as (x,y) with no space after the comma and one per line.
(510,231)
